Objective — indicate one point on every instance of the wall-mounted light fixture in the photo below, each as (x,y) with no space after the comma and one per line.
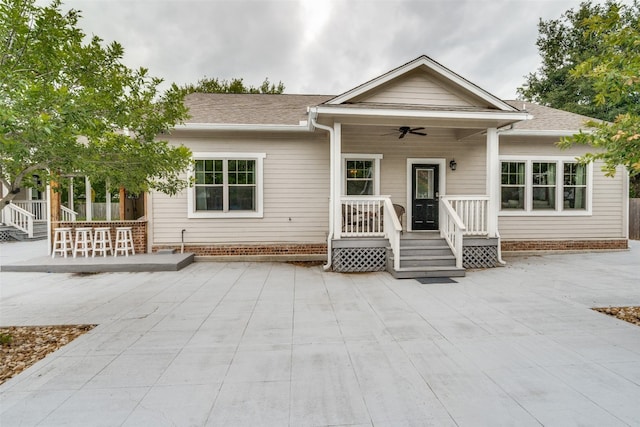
(453,165)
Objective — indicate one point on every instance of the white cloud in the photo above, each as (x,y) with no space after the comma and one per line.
(327,46)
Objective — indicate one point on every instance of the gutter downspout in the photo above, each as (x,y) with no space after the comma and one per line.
(312,115)
(501,261)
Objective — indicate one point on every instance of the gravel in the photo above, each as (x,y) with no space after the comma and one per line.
(22,346)
(628,314)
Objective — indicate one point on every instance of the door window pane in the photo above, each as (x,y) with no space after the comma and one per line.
(424,184)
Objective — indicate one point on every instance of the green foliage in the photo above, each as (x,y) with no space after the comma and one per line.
(572,40)
(69,106)
(214,85)
(6,339)
(591,66)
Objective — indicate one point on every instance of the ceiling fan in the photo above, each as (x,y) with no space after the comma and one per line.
(404,130)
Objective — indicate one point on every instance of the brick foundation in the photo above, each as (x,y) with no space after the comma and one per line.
(563,245)
(250,250)
(138,230)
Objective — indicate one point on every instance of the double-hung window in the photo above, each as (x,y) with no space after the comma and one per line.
(361,174)
(546,186)
(226,185)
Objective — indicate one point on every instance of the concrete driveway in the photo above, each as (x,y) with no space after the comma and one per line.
(272,344)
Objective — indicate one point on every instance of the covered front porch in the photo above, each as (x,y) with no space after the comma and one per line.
(417,206)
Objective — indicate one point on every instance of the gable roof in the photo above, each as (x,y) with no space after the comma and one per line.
(427,66)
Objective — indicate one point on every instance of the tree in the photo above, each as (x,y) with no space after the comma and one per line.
(214,85)
(591,66)
(69,106)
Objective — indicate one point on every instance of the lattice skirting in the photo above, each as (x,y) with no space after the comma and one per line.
(358,260)
(480,256)
(6,236)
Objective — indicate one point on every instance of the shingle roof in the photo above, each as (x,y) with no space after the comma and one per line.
(547,118)
(285,109)
(249,108)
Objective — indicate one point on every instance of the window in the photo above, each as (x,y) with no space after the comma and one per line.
(512,185)
(226,186)
(360,173)
(575,186)
(359,177)
(544,186)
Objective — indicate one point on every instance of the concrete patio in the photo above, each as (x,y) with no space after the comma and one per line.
(275,344)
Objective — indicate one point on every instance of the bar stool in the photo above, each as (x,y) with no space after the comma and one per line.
(62,241)
(84,241)
(124,241)
(102,241)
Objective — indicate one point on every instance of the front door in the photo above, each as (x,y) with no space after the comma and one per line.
(425,193)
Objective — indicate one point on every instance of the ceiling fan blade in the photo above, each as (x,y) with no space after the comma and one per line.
(415,129)
(402,135)
(418,133)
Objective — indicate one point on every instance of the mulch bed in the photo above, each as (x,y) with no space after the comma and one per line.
(22,346)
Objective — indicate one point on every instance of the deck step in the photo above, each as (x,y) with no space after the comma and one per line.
(416,272)
(424,255)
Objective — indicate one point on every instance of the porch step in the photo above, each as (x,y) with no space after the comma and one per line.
(424,255)
(416,272)
(8,232)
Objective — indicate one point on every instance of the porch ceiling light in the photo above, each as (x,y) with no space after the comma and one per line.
(453,165)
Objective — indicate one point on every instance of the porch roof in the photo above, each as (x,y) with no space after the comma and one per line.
(429,115)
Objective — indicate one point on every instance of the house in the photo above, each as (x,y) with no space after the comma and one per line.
(418,171)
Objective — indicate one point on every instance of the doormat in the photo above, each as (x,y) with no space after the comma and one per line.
(435,280)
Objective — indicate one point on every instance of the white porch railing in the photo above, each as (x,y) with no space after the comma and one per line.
(472,211)
(67,214)
(362,216)
(372,216)
(19,218)
(37,208)
(452,229)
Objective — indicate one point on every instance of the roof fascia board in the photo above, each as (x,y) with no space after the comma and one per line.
(433,65)
(302,127)
(427,114)
(531,132)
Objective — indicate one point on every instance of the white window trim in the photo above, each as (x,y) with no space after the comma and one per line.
(258,213)
(528,188)
(376,169)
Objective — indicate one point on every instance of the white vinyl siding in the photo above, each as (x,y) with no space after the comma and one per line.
(417,89)
(470,155)
(295,200)
(605,220)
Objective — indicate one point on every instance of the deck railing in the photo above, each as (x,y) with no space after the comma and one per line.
(19,218)
(37,208)
(452,229)
(472,211)
(372,216)
(67,214)
(362,216)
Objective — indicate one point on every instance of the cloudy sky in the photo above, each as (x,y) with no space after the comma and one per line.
(323,46)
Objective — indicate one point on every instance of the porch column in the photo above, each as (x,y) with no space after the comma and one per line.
(87,193)
(70,200)
(337,180)
(493,182)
